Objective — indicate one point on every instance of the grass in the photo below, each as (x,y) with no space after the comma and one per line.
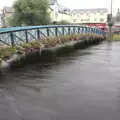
(114,37)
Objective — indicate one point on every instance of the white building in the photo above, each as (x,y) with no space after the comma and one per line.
(0,17)
(59,12)
(90,15)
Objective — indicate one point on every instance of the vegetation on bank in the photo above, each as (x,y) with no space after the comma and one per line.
(116,37)
(36,45)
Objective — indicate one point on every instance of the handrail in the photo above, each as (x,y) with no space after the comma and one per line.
(12,35)
(14,29)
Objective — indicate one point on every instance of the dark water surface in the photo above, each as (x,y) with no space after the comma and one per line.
(84,85)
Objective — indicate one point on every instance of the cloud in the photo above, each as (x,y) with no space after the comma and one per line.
(77,3)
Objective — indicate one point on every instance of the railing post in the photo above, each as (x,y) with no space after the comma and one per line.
(87,29)
(78,29)
(82,29)
(73,29)
(92,30)
(63,32)
(56,31)
(48,34)
(12,39)
(38,33)
(69,30)
(26,36)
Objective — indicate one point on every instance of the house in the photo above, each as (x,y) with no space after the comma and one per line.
(1,10)
(7,12)
(59,12)
(98,15)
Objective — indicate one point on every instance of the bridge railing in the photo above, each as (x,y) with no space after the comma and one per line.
(16,35)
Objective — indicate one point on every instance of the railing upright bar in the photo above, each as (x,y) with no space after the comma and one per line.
(12,39)
(26,36)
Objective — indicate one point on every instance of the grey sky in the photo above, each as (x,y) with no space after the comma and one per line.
(78,3)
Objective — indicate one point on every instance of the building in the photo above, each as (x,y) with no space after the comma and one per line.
(5,13)
(92,17)
(116,27)
(59,12)
(52,2)
(1,17)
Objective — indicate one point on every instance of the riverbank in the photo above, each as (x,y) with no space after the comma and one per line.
(42,50)
(114,37)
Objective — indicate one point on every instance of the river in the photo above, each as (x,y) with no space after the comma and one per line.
(84,85)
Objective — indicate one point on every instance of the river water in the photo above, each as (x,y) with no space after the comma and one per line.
(84,85)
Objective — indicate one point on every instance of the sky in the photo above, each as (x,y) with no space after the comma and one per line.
(78,4)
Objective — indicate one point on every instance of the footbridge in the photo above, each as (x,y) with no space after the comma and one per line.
(16,35)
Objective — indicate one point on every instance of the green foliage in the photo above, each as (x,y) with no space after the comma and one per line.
(30,12)
(62,22)
(116,37)
(26,45)
(7,52)
(36,44)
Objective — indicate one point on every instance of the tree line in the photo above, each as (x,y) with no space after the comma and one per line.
(31,12)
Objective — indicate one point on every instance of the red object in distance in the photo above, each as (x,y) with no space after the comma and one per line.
(102,26)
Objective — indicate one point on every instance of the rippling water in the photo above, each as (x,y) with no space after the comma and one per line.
(85,85)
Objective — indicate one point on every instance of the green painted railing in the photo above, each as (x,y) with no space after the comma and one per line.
(17,35)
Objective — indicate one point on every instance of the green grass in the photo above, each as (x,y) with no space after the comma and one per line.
(114,37)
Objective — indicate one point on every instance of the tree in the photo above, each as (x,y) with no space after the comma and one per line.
(30,12)
(62,22)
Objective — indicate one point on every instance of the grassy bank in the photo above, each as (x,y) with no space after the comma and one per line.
(115,37)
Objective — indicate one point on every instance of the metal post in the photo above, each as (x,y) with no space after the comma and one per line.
(78,29)
(38,33)
(48,34)
(12,39)
(82,29)
(74,30)
(63,30)
(26,35)
(56,31)
(69,30)
(110,24)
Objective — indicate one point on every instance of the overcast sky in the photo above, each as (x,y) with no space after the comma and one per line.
(77,3)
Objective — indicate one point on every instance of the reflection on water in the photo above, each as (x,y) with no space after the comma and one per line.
(85,85)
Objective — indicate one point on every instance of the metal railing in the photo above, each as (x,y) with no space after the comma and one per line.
(16,35)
